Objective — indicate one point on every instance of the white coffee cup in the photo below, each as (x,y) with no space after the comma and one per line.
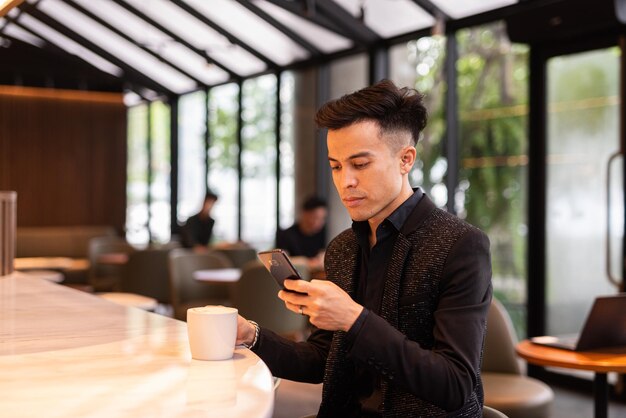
(212,332)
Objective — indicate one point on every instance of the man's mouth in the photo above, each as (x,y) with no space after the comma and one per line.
(352,201)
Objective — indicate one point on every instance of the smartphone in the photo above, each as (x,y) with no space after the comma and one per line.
(280,267)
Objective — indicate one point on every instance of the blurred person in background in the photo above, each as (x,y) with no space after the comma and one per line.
(197,231)
(307,236)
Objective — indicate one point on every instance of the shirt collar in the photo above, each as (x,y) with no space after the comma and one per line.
(397,218)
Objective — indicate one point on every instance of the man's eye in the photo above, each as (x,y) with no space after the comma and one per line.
(359,166)
(335,167)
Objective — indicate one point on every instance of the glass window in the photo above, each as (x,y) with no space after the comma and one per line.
(389,18)
(160,182)
(223,178)
(287,151)
(191,154)
(346,76)
(258,160)
(118,46)
(419,64)
(200,35)
(251,30)
(66,43)
(583,132)
(492,193)
(323,39)
(137,171)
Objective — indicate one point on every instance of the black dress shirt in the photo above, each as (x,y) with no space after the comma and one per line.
(197,231)
(296,243)
(371,282)
(428,357)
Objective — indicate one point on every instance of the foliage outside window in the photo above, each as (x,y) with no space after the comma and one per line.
(419,64)
(223,154)
(258,157)
(160,228)
(287,151)
(191,154)
(492,193)
(137,172)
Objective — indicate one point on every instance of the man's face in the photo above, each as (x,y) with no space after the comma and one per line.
(312,221)
(368,175)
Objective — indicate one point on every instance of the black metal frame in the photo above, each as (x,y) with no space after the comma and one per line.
(118,32)
(157,25)
(130,72)
(279,26)
(536,260)
(233,39)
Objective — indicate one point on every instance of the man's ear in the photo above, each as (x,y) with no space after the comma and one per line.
(407,158)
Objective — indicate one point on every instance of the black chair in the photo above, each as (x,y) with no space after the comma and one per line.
(146,273)
(254,295)
(506,388)
(187,292)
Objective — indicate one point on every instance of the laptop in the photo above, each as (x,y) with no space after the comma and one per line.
(604,327)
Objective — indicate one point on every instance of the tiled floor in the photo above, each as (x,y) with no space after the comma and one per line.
(295,400)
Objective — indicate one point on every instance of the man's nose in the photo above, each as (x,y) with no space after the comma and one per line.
(348,179)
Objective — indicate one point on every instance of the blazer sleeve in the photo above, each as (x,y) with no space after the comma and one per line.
(445,375)
(299,361)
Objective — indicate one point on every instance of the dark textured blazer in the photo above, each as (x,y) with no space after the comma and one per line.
(427,342)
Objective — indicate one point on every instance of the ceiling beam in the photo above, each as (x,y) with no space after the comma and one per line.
(61,59)
(176,38)
(130,72)
(299,9)
(53,48)
(231,38)
(118,32)
(359,31)
(279,26)
(432,9)
(498,14)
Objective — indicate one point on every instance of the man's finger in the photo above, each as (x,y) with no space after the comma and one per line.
(301,286)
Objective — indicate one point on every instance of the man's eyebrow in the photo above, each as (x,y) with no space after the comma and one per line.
(353,156)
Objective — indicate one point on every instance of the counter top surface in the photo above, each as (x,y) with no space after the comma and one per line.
(65,353)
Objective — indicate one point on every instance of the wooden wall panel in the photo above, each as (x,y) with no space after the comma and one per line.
(65,154)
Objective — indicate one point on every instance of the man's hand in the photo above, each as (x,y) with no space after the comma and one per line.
(326,304)
(245,331)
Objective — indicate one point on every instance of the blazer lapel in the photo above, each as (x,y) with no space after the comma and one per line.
(395,268)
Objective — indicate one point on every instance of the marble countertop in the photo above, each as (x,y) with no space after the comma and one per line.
(65,353)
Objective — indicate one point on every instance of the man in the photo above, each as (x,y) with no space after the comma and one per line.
(402,317)
(196,232)
(306,237)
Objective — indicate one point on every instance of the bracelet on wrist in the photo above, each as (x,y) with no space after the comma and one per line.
(257,330)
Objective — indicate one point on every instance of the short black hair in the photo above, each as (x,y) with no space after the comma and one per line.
(313,202)
(394,109)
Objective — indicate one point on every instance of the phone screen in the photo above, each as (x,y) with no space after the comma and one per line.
(279,266)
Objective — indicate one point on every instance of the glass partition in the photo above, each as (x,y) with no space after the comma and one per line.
(137,172)
(160,229)
(419,64)
(287,151)
(223,177)
(492,192)
(191,154)
(258,160)
(583,127)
